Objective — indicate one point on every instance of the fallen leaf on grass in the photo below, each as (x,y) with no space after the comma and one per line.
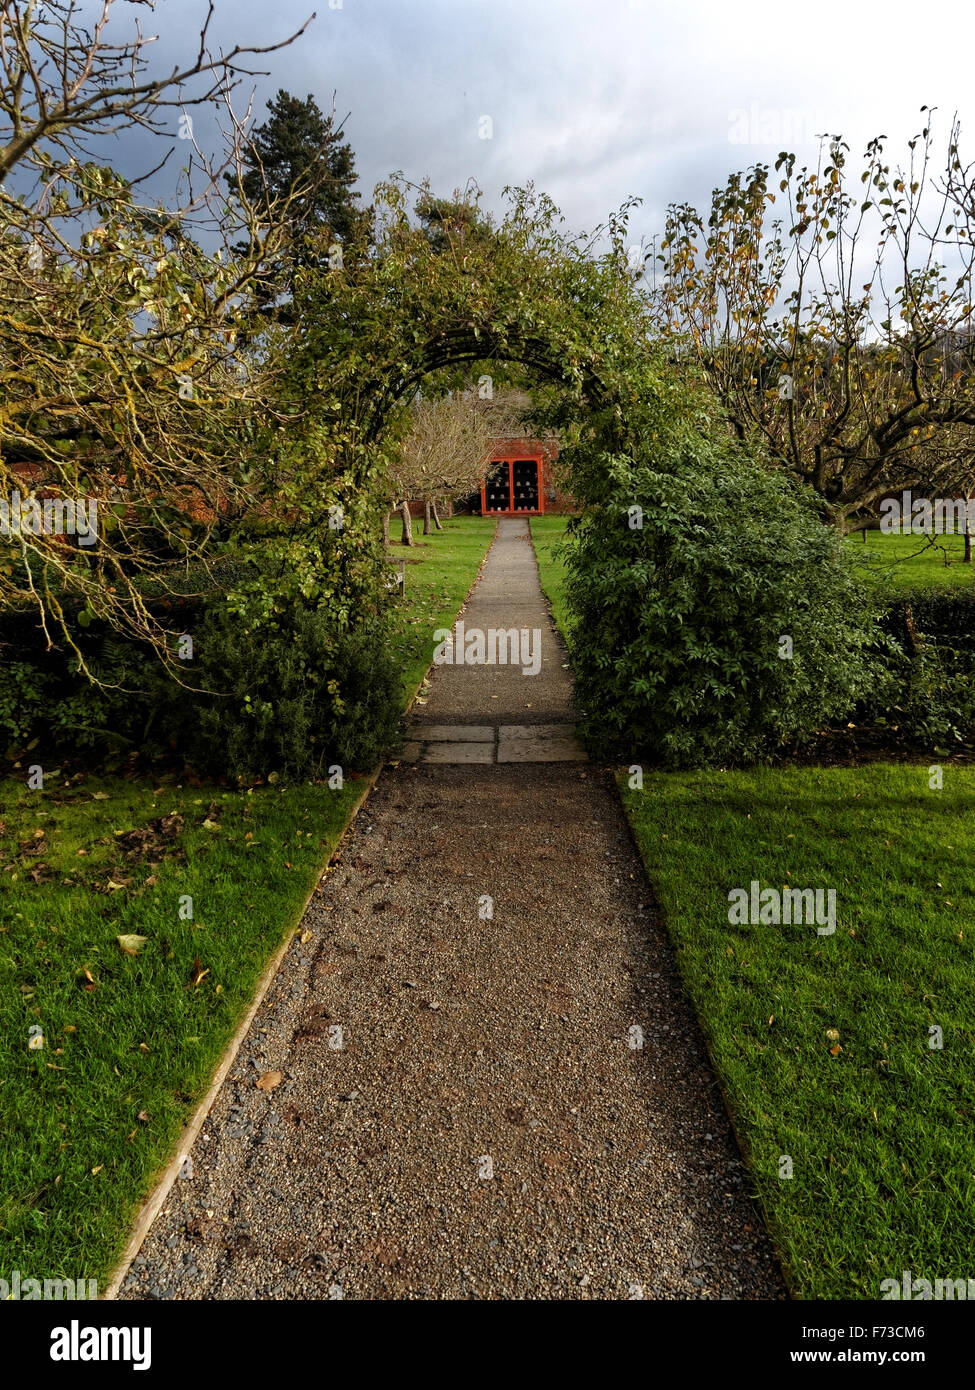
(199,974)
(131,944)
(98,1169)
(269,1079)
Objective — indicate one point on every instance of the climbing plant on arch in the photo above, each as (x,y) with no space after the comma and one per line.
(523,292)
(676,622)
(714,614)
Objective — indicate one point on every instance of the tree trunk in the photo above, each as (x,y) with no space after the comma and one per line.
(426,517)
(436,517)
(404,511)
(911,630)
(386,520)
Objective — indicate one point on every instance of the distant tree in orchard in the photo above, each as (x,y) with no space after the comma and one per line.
(838,334)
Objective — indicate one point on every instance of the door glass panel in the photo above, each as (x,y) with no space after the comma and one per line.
(497,490)
(526,485)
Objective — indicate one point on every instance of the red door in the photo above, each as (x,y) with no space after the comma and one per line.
(513,487)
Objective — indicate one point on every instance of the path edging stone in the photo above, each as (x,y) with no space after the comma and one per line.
(163,1184)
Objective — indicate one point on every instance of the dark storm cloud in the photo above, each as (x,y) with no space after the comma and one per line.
(593,100)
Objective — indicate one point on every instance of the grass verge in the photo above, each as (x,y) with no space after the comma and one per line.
(440,570)
(824,1044)
(547,531)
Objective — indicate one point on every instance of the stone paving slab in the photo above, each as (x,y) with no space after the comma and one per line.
(483,743)
(451,733)
(543,743)
(459,752)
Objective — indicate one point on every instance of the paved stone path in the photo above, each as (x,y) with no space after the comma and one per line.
(516,718)
(463,1112)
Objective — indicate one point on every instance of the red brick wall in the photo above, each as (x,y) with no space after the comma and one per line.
(556,500)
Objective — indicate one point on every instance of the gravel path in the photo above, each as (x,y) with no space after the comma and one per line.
(461,1111)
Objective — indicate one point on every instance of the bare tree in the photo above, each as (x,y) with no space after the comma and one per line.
(446,449)
(124,383)
(841,338)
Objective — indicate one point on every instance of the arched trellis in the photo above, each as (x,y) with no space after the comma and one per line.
(448,347)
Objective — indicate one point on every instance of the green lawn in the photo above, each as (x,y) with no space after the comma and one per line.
(547,531)
(440,569)
(131,1041)
(128,1036)
(821,1043)
(902,563)
(896,564)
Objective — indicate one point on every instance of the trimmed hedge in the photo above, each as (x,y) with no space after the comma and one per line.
(293,693)
(926,647)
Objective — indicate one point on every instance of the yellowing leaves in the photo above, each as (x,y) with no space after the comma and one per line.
(131,944)
(198,974)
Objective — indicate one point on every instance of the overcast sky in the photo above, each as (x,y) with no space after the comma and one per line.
(596,100)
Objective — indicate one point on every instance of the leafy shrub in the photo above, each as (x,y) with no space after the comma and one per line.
(24,699)
(676,623)
(296,696)
(928,685)
(293,691)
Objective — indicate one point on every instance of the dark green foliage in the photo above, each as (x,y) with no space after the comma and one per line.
(927,690)
(677,625)
(299,153)
(293,693)
(23,697)
(299,696)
